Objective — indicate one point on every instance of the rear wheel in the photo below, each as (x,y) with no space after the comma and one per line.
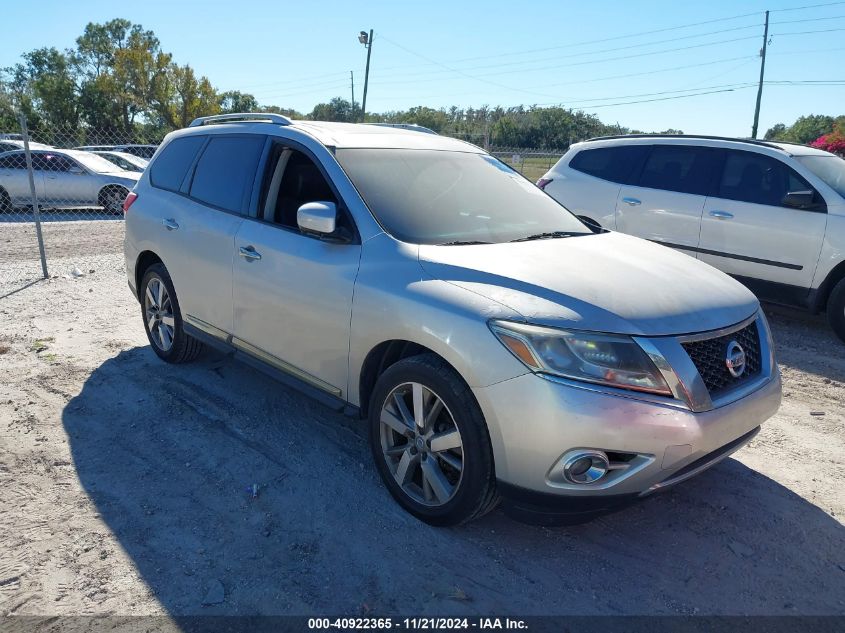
(430,443)
(836,309)
(111,198)
(163,320)
(5,202)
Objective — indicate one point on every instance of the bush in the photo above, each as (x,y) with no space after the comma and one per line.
(833,142)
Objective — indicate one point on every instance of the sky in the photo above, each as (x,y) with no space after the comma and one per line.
(649,65)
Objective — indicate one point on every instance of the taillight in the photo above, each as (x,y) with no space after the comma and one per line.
(132,197)
(543,182)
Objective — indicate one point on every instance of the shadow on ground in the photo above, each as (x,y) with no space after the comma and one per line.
(169,456)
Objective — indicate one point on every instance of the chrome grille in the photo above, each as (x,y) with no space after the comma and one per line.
(709,357)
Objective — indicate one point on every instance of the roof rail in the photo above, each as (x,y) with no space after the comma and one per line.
(406,126)
(750,141)
(266,117)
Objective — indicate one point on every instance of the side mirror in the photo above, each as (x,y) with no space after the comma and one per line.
(317,217)
(799,199)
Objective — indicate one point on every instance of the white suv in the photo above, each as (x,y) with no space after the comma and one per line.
(770,214)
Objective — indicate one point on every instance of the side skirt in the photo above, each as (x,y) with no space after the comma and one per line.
(333,402)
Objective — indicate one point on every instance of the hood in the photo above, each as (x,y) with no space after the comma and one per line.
(605,282)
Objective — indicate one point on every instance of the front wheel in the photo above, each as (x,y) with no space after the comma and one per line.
(163,320)
(836,309)
(430,442)
(111,198)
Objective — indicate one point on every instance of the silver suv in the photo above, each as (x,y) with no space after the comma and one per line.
(495,345)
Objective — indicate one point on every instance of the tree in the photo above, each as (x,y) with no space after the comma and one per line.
(185,97)
(338,109)
(805,129)
(235,101)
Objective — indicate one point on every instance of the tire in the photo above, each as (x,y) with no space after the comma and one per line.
(5,202)
(435,490)
(163,320)
(836,309)
(111,198)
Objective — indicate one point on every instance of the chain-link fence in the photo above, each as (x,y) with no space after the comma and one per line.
(531,163)
(61,199)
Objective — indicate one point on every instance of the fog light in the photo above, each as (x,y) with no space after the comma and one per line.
(586,468)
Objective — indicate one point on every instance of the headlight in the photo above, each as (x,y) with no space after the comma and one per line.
(605,359)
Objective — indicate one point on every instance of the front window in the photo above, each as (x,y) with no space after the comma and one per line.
(442,197)
(831,169)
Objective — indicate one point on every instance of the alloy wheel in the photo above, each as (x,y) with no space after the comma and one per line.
(158,310)
(421,444)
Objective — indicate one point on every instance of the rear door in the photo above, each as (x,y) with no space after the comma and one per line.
(197,226)
(15,179)
(666,201)
(590,186)
(747,230)
(293,291)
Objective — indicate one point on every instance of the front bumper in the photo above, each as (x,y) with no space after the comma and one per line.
(534,421)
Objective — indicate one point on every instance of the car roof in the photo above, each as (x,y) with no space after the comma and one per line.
(791,149)
(332,134)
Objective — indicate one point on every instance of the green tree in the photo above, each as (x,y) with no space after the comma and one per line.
(338,109)
(235,101)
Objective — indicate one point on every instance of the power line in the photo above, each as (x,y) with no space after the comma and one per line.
(586,53)
(809,6)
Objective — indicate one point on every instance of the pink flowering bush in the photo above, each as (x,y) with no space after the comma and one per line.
(833,142)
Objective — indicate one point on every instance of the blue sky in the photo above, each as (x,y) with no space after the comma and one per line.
(591,56)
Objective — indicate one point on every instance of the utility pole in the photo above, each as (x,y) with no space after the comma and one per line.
(366,40)
(352,79)
(762,72)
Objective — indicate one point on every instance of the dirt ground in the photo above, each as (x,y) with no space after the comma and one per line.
(126,489)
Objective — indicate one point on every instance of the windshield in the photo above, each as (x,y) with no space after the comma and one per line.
(831,169)
(95,163)
(439,197)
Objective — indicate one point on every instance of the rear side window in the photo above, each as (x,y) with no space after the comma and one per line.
(226,171)
(169,169)
(615,164)
(14,161)
(759,179)
(681,168)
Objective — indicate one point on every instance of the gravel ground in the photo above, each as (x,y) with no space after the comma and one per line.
(127,490)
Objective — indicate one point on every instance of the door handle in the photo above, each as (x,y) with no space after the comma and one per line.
(722,215)
(170,224)
(631,201)
(248,252)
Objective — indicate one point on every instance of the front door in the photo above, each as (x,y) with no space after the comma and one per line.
(292,291)
(747,230)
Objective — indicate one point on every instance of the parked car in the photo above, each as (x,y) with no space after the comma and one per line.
(770,214)
(494,344)
(64,179)
(10,145)
(144,151)
(129,162)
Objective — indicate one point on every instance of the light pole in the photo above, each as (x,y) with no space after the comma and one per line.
(367,41)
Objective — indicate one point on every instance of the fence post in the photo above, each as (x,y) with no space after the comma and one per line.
(36,210)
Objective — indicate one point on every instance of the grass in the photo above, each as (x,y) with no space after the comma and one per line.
(39,345)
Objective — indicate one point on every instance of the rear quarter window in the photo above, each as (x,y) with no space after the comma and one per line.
(616,164)
(169,169)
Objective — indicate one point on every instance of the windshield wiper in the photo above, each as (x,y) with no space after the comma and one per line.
(548,236)
(462,243)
